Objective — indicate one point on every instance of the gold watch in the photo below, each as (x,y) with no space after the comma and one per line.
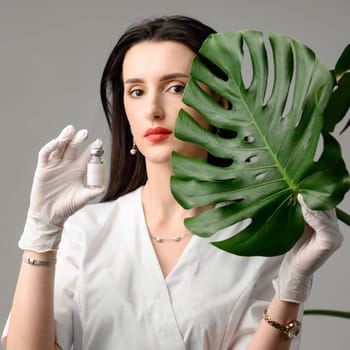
(290,330)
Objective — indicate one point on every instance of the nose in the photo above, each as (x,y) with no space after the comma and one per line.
(154,108)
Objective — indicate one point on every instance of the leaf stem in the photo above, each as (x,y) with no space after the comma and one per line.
(343,216)
(335,313)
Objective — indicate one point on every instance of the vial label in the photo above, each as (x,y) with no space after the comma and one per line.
(95,175)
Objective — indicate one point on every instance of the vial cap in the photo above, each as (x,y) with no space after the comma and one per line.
(96,151)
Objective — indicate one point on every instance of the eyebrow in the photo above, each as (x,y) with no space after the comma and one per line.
(163,78)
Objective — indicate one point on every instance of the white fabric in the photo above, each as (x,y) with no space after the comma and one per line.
(110,292)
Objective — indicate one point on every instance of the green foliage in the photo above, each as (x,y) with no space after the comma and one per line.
(272,154)
(339,102)
(343,64)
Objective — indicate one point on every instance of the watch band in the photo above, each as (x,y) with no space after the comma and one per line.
(291,330)
(33,261)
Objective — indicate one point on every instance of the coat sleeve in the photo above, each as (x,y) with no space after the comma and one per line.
(65,306)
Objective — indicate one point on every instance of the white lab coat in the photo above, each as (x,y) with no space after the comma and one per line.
(110,293)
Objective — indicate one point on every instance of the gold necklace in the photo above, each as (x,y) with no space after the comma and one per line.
(173,239)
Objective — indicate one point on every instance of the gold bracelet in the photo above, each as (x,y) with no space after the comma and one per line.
(37,262)
(291,330)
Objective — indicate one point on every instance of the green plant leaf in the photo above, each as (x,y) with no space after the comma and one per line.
(273,152)
(338,104)
(339,101)
(343,63)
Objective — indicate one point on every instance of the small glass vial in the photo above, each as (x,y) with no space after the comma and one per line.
(95,177)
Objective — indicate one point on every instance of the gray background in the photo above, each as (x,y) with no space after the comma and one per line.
(51,57)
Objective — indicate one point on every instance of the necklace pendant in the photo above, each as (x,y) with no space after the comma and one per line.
(163,239)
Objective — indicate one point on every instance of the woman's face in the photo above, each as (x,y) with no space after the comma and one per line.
(154,76)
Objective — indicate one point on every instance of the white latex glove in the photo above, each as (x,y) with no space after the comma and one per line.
(58,190)
(321,238)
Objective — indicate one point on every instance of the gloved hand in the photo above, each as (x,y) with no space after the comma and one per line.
(320,239)
(58,190)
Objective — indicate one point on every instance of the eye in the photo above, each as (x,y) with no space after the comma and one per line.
(136,92)
(177,89)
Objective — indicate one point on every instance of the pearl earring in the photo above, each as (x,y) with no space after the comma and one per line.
(133,149)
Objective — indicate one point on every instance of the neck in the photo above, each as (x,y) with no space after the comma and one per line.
(164,216)
(157,196)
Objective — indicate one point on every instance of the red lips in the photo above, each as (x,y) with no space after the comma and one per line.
(157,134)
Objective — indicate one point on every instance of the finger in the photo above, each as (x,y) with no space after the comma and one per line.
(87,194)
(64,138)
(45,152)
(72,148)
(316,217)
(325,225)
(97,144)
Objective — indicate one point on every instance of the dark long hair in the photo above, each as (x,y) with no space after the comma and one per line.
(127,172)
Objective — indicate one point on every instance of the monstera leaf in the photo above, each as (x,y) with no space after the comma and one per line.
(272,153)
(339,102)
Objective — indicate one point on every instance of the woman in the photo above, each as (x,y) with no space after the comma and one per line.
(128,274)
